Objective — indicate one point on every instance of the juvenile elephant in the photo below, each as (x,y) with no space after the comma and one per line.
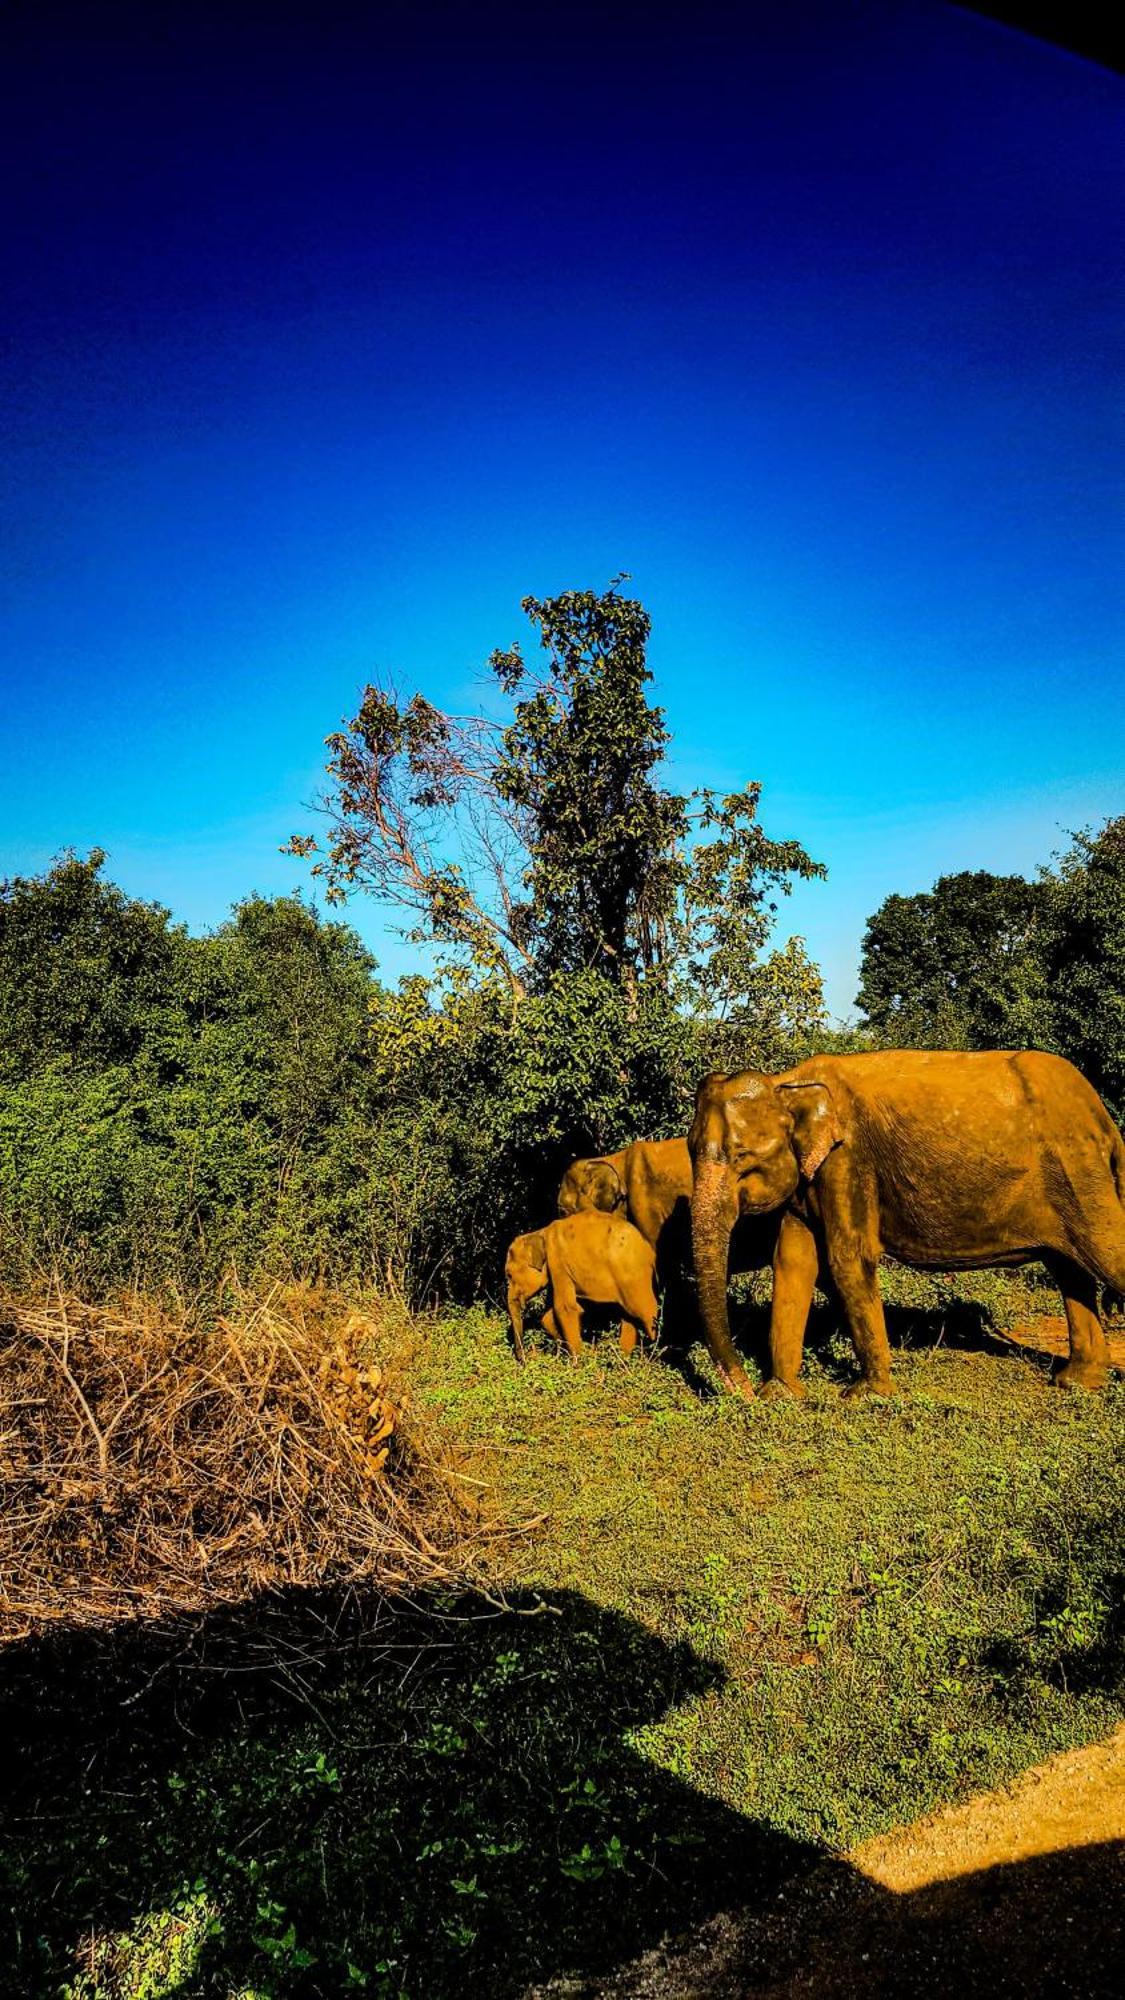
(596,1183)
(591,1258)
(948,1161)
(650,1180)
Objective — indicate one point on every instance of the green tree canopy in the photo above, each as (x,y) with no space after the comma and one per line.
(1084,957)
(959,966)
(87,973)
(550,842)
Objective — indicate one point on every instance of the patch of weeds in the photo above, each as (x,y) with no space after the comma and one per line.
(155,1958)
(716,1605)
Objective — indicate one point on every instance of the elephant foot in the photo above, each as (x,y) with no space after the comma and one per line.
(778,1391)
(737,1381)
(1088,1375)
(876,1386)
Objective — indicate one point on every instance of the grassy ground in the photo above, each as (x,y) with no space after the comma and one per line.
(902,1602)
(739,1636)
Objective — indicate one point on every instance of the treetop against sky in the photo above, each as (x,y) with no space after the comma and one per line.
(327,343)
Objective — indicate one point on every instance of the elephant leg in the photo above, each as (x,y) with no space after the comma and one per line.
(551,1326)
(1101,1249)
(628,1336)
(856,1276)
(796,1261)
(681,1322)
(1088,1366)
(639,1300)
(567,1312)
(520,1290)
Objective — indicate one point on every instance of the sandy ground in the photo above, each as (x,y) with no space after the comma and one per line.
(1073,1801)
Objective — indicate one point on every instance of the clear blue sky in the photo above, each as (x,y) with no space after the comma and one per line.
(325,344)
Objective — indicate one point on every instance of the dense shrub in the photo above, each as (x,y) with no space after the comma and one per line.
(171,1104)
(256,1098)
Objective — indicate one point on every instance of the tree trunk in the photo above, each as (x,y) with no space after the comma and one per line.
(713,1214)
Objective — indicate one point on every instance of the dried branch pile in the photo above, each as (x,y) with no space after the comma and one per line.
(149,1466)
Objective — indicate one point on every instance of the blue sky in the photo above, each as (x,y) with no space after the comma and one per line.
(325,344)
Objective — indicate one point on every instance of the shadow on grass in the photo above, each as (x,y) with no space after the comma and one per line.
(963,1326)
(442,1797)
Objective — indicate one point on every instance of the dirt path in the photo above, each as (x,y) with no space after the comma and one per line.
(1019,1892)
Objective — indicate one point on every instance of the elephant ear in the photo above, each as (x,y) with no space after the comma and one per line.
(816,1128)
(603,1185)
(536,1241)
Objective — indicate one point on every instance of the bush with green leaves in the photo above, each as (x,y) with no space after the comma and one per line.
(170,1104)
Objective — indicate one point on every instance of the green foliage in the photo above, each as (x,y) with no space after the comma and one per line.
(232,1122)
(575,770)
(507,1096)
(959,967)
(87,974)
(993,961)
(155,1958)
(547,844)
(1084,957)
(280,1107)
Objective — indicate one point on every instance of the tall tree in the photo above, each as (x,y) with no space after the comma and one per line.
(548,842)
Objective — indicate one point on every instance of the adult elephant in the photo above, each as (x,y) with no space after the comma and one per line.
(948,1161)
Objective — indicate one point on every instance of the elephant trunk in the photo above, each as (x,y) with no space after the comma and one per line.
(713,1215)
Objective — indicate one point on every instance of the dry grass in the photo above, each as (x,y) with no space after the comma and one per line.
(152,1464)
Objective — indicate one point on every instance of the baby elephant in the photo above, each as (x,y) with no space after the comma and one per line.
(593,1257)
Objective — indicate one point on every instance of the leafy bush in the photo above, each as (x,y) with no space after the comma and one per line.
(256,1098)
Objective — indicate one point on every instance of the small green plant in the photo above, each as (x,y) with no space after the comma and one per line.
(154,1959)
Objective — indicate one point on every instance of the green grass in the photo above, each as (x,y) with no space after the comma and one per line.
(740,1635)
(906,1602)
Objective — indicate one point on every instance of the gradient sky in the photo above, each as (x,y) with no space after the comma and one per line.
(324,344)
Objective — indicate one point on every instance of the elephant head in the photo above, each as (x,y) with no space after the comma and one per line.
(590,1184)
(752,1140)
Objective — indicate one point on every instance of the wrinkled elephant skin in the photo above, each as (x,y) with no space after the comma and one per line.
(946,1160)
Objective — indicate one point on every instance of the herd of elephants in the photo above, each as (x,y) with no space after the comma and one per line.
(945,1160)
